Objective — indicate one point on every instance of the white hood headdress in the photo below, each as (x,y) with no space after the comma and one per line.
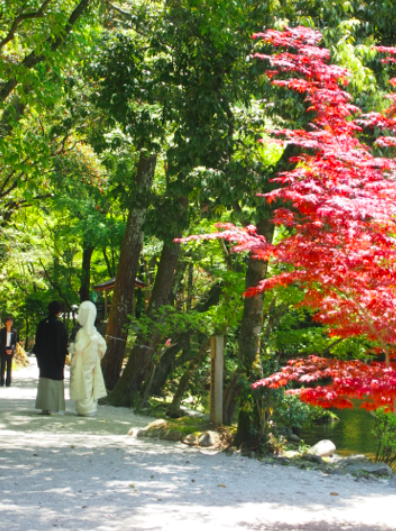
(87,316)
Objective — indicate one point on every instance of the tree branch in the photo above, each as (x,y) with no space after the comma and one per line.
(32,59)
(12,206)
(21,18)
(118,9)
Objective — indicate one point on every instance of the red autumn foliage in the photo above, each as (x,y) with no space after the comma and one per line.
(342,211)
(340,202)
(374,384)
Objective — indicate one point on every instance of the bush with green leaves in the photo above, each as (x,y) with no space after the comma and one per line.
(290,412)
(385,433)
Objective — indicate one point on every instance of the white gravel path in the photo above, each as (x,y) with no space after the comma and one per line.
(72,473)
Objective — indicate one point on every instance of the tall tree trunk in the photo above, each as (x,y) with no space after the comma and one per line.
(249,337)
(250,415)
(128,388)
(124,288)
(174,410)
(252,319)
(86,272)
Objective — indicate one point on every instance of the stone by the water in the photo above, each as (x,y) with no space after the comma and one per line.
(377,469)
(323,448)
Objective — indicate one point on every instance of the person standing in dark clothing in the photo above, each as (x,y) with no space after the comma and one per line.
(51,350)
(8,340)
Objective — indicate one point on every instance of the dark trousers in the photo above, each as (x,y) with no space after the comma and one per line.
(6,361)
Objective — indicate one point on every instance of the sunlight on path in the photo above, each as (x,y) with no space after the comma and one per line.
(72,473)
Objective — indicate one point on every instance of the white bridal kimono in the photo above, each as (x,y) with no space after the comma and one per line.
(86,378)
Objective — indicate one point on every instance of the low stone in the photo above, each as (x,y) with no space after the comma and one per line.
(141,432)
(209,438)
(356,457)
(323,448)
(191,440)
(294,438)
(378,469)
(159,423)
(132,432)
(171,435)
(154,433)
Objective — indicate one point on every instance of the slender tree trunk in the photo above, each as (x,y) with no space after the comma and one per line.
(190,285)
(108,265)
(174,410)
(168,361)
(128,265)
(27,329)
(127,390)
(86,272)
(165,365)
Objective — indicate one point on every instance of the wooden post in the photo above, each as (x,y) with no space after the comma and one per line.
(216,379)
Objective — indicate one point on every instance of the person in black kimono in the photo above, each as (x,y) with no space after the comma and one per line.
(51,350)
(8,341)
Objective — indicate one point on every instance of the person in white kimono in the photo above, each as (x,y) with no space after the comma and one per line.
(86,378)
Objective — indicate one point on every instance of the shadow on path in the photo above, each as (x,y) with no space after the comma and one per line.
(85,473)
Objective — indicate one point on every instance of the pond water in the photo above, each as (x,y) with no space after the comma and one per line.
(352,434)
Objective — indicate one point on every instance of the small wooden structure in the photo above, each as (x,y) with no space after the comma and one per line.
(109,285)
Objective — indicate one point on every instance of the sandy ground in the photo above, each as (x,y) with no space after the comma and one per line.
(73,473)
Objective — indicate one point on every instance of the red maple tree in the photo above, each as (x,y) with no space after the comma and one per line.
(340,204)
